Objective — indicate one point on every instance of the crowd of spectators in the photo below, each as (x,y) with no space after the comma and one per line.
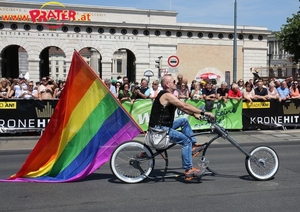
(253,89)
(21,88)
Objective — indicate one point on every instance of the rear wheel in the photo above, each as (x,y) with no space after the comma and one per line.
(132,161)
(263,163)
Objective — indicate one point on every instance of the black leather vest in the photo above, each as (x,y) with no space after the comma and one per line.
(161,115)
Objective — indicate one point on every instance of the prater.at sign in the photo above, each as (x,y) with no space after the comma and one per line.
(173,61)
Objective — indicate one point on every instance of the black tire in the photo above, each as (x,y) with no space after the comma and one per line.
(126,162)
(263,163)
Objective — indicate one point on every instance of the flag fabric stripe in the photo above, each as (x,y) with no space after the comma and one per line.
(101,139)
(45,150)
(87,124)
(92,124)
(79,130)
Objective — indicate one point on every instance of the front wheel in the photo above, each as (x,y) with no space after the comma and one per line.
(132,162)
(263,163)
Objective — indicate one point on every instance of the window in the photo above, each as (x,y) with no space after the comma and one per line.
(230,36)
(1,26)
(119,66)
(178,34)
(77,29)
(14,26)
(39,27)
(260,37)
(200,35)
(220,36)
(210,35)
(250,37)
(89,30)
(100,30)
(124,31)
(27,27)
(135,32)
(157,32)
(57,70)
(64,29)
(168,33)
(112,31)
(56,62)
(190,34)
(146,32)
(241,37)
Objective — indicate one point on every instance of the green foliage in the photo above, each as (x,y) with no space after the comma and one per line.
(290,36)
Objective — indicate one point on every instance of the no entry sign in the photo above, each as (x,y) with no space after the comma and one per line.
(173,61)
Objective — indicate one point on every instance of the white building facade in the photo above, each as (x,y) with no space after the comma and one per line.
(123,42)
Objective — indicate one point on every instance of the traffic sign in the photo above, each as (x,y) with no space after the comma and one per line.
(148,73)
(173,61)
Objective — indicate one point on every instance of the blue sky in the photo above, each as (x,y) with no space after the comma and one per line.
(268,13)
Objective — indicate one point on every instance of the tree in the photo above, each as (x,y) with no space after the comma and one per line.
(290,36)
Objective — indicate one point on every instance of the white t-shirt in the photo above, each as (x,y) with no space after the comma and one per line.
(29,96)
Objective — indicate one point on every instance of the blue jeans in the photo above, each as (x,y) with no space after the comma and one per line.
(183,138)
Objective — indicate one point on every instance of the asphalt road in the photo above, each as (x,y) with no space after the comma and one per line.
(231,190)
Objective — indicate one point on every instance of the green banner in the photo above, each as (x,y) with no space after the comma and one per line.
(229,115)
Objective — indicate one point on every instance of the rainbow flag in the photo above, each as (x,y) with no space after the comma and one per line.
(86,126)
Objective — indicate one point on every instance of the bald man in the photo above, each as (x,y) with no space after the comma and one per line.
(162,117)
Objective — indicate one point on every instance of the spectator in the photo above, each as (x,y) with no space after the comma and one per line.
(155,89)
(251,82)
(18,86)
(196,93)
(209,95)
(37,85)
(272,92)
(234,92)
(283,91)
(260,91)
(277,83)
(193,85)
(59,89)
(30,93)
(142,92)
(289,81)
(5,88)
(119,79)
(294,90)
(222,92)
(179,80)
(183,92)
(249,92)
(125,79)
(125,94)
(46,89)
(110,86)
(241,85)
(118,87)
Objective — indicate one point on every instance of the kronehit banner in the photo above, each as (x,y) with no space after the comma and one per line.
(271,114)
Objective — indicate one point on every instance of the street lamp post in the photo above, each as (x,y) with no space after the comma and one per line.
(271,74)
(235,43)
